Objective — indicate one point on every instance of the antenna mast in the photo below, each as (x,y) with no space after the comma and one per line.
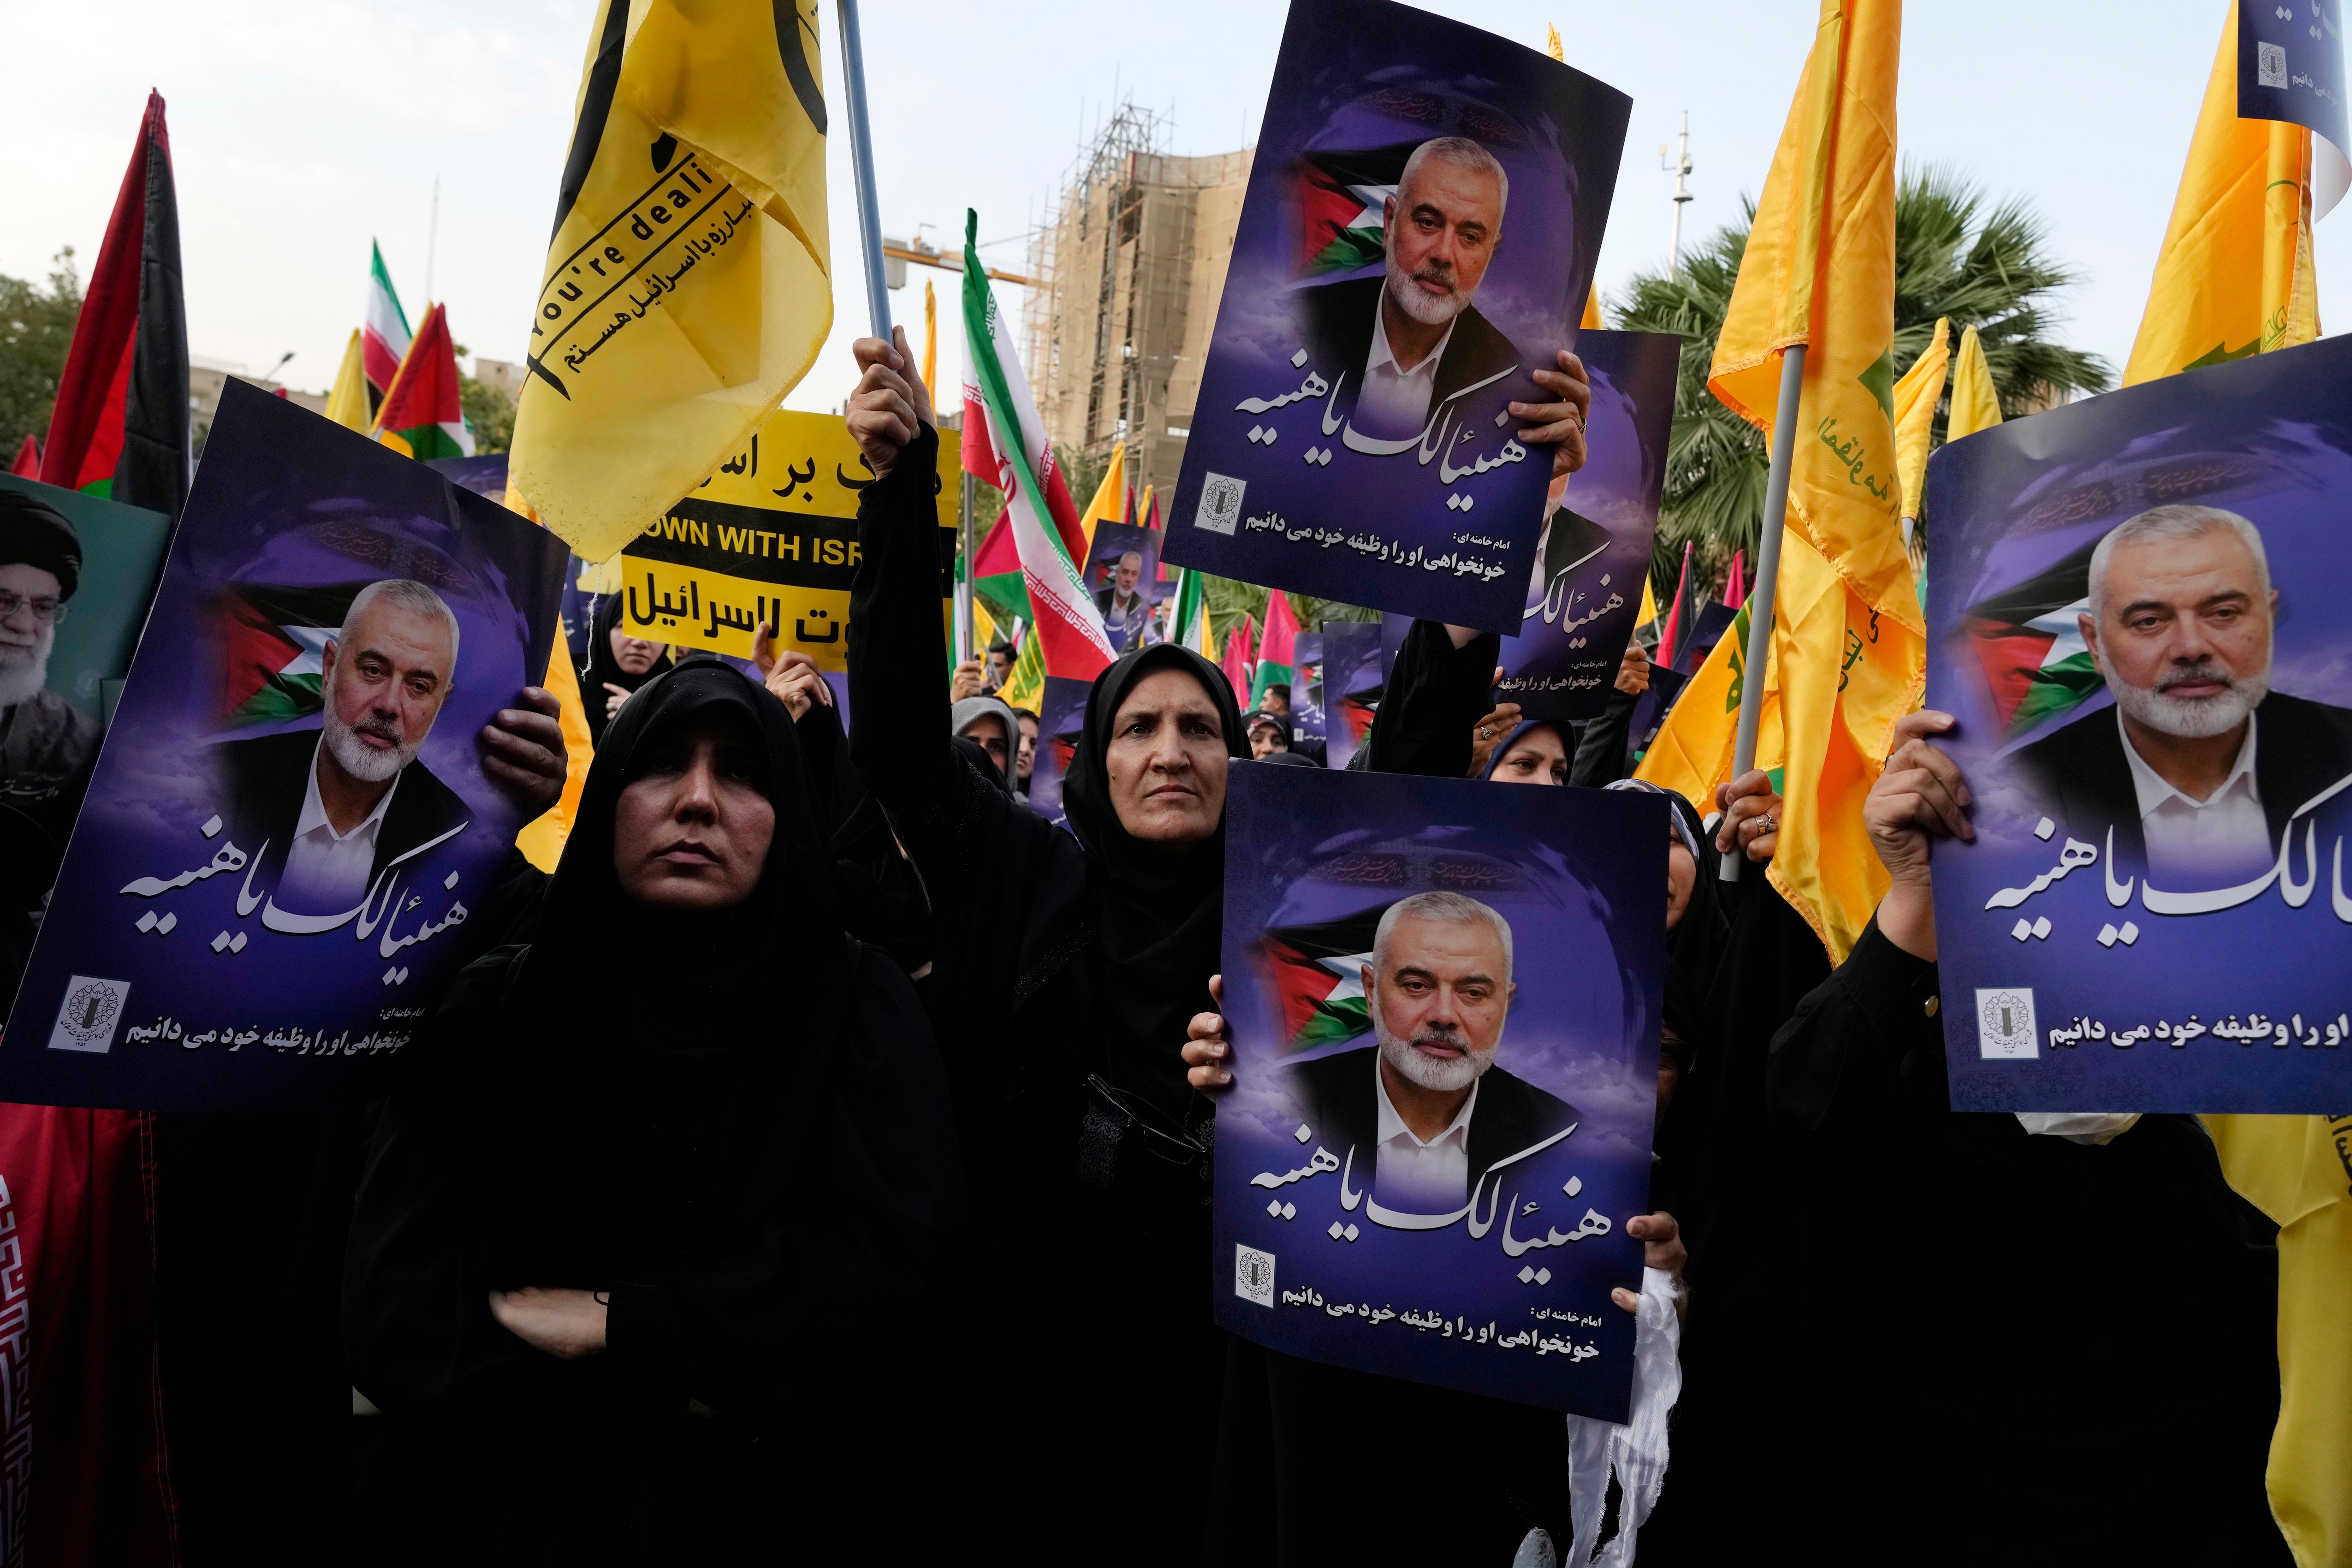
(1680,169)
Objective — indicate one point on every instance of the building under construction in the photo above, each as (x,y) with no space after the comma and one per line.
(1134,256)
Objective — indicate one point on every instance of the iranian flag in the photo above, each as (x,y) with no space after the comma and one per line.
(1278,660)
(1317,971)
(422,414)
(1068,627)
(384,341)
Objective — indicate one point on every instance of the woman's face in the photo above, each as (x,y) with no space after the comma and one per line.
(634,655)
(1166,760)
(692,831)
(1537,757)
(1682,876)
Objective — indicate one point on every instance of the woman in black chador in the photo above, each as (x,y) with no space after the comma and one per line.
(643,1263)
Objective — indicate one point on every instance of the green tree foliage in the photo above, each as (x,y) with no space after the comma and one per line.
(1956,255)
(490,413)
(35,329)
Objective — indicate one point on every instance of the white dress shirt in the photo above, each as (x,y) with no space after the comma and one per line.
(1394,403)
(1417,1177)
(326,871)
(2196,845)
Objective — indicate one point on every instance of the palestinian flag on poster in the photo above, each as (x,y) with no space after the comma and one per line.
(421,413)
(1339,197)
(384,341)
(1316,973)
(273,640)
(996,579)
(1066,625)
(120,426)
(2026,642)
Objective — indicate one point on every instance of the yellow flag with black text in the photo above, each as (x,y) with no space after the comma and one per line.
(1848,648)
(687,286)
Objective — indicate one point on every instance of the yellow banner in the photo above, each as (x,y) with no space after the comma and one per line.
(771,536)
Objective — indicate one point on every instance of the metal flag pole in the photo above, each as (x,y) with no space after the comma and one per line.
(1767,578)
(861,157)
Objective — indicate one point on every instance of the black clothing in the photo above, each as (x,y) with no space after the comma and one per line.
(604,671)
(1139,614)
(759,1173)
(34,534)
(2081,776)
(2060,1352)
(267,779)
(1335,1097)
(1290,759)
(1604,748)
(1336,319)
(48,748)
(1435,696)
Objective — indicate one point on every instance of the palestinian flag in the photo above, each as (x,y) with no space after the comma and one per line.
(2030,646)
(1316,973)
(27,465)
(1066,623)
(1339,197)
(421,413)
(1682,616)
(1277,658)
(121,425)
(272,642)
(384,341)
(1240,645)
(996,579)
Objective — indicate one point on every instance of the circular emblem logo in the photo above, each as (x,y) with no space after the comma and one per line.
(89,1012)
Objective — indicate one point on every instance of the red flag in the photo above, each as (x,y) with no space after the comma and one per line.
(27,465)
(423,406)
(1734,587)
(120,425)
(1238,661)
(1675,612)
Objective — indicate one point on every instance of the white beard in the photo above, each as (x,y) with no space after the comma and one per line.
(2194,718)
(25,670)
(1430,311)
(358,759)
(1438,1075)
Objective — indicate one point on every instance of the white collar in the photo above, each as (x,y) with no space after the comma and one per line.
(1382,356)
(2153,789)
(314,811)
(1391,1123)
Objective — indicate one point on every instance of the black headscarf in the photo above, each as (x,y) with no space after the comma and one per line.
(677,1084)
(1697,944)
(604,670)
(1159,910)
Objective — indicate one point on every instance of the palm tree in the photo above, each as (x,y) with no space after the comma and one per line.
(1985,267)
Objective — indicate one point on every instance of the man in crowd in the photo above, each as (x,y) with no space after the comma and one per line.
(1000,666)
(1276,700)
(1426,1110)
(47,746)
(2201,765)
(1124,610)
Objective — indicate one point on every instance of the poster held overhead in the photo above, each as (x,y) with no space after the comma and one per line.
(1489,1272)
(290,826)
(2132,608)
(1417,240)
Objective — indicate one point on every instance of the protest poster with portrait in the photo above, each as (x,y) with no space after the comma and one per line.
(771,536)
(1307,685)
(1585,591)
(289,828)
(1354,676)
(1123,574)
(1418,238)
(1483,970)
(2135,604)
(1061,720)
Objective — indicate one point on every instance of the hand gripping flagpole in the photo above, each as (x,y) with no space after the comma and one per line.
(861,155)
(1767,578)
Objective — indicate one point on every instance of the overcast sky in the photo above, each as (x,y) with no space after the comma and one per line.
(300,129)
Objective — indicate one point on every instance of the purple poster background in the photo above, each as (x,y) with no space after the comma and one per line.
(1315,1254)
(2074,977)
(194,993)
(1279,486)
(1061,720)
(1586,593)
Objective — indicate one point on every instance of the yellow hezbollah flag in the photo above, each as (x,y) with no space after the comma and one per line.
(347,401)
(2234,277)
(1592,310)
(541,839)
(1110,497)
(1848,646)
(688,286)
(2298,1171)
(930,336)
(1024,683)
(1915,397)
(1975,405)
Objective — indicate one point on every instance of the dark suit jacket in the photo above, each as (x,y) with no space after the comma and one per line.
(264,781)
(1335,1099)
(1337,321)
(1137,615)
(2079,775)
